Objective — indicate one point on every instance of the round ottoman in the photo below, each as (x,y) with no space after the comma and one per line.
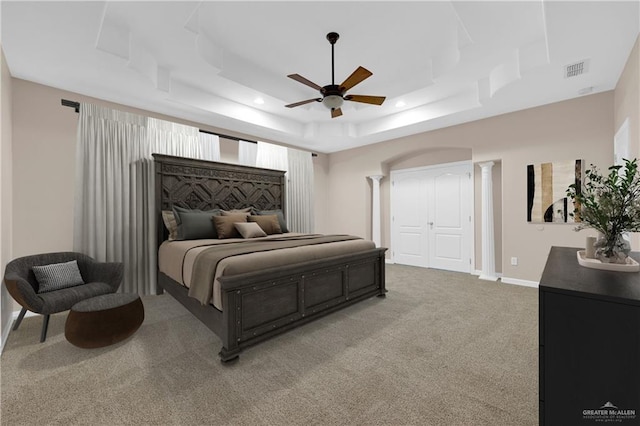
(104,320)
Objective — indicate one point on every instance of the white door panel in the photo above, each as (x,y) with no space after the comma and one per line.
(447,247)
(430,211)
(411,244)
(447,190)
(408,227)
(450,210)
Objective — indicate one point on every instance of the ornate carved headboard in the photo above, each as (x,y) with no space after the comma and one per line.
(206,185)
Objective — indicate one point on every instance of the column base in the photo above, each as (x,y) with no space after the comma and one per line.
(488,277)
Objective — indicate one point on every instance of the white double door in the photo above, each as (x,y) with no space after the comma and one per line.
(431,216)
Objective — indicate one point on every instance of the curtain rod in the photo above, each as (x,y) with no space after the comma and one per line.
(72,104)
(76,107)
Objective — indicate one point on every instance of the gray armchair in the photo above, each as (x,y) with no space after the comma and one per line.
(20,281)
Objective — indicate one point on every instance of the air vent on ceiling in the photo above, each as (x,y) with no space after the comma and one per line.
(576,69)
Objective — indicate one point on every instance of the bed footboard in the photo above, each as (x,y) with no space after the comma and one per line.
(257,306)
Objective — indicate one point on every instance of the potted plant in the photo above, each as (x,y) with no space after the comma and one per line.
(609,204)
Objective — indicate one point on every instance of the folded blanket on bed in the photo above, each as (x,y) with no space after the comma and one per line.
(204,267)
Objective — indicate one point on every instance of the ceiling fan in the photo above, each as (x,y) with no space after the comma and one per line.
(333,95)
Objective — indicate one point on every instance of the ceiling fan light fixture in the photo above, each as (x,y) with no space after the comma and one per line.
(333,101)
(334,95)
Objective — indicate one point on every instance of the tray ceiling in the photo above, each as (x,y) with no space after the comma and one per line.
(438,63)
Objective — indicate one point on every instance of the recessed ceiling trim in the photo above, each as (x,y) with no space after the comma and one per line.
(505,73)
(113,39)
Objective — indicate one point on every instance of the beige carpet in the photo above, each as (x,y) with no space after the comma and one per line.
(442,349)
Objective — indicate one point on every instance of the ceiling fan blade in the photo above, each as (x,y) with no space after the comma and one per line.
(303,102)
(356,77)
(301,79)
(375,100)
(336,112)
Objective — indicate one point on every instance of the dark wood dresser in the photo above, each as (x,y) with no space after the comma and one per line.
(589,343)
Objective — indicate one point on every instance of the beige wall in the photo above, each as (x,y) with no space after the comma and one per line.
(44,170)
(228,150)
(6,226)
(578,128)
(627,105)
(627,98)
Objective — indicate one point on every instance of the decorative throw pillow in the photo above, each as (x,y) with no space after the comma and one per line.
(278,212)
(268,223)
(225,225)
(249,229)
(170,223)
(195,224)
(57,276)
(245,212)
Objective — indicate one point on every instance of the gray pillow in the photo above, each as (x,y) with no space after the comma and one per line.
(195,224)
(57,276)
(278,212)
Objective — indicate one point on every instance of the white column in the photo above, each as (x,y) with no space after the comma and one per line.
(375,208)
(488,244)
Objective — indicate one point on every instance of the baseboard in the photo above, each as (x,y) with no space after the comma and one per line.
(517,281)
(5,334)
(478,272)
(7,328)
(389,261)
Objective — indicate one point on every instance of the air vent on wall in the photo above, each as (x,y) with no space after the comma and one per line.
(576,69)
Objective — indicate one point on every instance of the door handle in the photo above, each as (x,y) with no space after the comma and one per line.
(430,225)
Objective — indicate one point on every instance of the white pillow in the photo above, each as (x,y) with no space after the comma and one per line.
(249,229)
(170,223)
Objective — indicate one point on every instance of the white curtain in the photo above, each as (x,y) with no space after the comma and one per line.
(299,178)
(272,156)
(115,218)
(300,202)
(247,153)
(209,146)
(107,141)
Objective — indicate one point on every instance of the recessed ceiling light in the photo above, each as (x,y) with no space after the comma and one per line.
(400,104)
(258,101)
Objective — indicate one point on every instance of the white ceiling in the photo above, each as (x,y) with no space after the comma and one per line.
(449,61)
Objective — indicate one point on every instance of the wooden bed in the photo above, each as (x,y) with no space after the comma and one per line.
(295,295)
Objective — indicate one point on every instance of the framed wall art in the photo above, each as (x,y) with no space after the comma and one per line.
(547,185)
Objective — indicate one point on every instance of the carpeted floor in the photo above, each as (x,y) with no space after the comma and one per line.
(443,348)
